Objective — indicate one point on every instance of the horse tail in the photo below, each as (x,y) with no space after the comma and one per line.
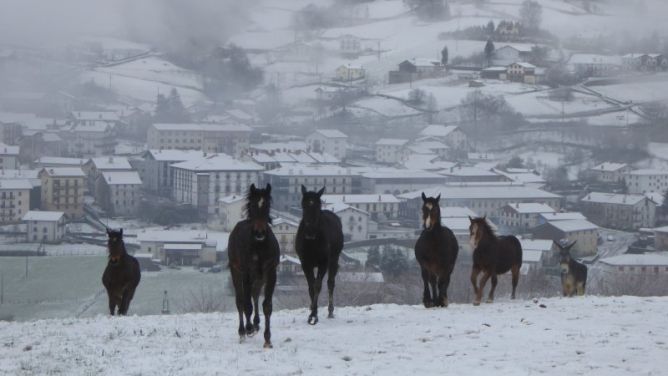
(517,248)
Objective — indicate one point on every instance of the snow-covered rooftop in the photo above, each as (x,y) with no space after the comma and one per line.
(111,163)
(644,259)
(392,141)
(482,191)
(362,198)
(9,149)
(218,162)
(45,216)
(64,171)
(536,244)
(121,177)
(574,225)
(612,198)
(205,127)
(465,171)
(59,161)
(648,172)
(331,133)
(436,130)
(310,170)
(609,167)
(529,208)
(172,236)
(551,217)
(457,212)
(232,199)
(6,184)
(96,115)
(594,59)
(174,155)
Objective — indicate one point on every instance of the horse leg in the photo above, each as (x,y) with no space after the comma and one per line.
(516,277)
(248,304)
(434,290)
(331,277)
(112,303)
(474,280)
(313,319)
(490,298)
(257,287)
(310,280)
(125,301)
(239,299)
(443,283)
(426,296)
(267,306)
(483,281)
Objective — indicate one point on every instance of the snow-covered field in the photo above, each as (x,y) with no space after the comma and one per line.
(578,336)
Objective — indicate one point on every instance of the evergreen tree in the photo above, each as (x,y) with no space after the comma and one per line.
(531,14)
(393,263)
(373,259)
(490,28)
(444,56)
(489,51)
(176,108)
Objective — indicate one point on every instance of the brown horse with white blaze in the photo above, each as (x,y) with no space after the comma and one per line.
(492,255)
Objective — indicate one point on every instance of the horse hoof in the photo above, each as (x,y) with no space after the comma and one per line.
(251,333)
(330,316)
(268,345)
(445,303)
(490,301)
(476,303)
(241,339)
(312,320)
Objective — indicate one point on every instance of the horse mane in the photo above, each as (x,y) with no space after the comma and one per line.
(486,228)
(247,207)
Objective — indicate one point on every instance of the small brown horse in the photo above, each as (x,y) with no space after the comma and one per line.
(573,273)
(122,275)
(492,255)
(254,254)
(436,251)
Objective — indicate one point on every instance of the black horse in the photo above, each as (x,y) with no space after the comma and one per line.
(573,273)
(253,254)
(492,255)
(318,244)
(122,274)
(436,251)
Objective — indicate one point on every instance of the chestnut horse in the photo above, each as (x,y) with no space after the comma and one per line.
(122,274)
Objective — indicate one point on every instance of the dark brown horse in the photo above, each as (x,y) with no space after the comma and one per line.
(253,254)
(436,251)
(122,274)
(573,273)
(492,255)
(318,244)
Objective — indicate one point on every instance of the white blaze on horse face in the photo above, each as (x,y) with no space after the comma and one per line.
(473,240)
(260,203)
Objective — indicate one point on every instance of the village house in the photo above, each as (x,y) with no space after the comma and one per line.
(428,161)
(559,216)
(508,54)
(522,72)
(155,173)
(204,181)
(286,182)
(286,232)
(592,65)
(609,172)
(90,139)
(96,166)
(522,176)
(508,30)
(45,226)
(47,162)
(582,231)
(464,174)
(272,160)
(495,73)
(14,199)
(232,139)
(428,145)
(522,216)
(119,192)
(355,221)
(451,135)
(231,210)
(10,132)
(486,199)
(619,211)
(661,238)
(63,190)
(456,218)
(636,264)
(645,61)
(349,72)
(350,45)
(32,176)
(538,253)
(417,69)
(381,207)
(646,180)
(330,141)
(9,157)
(174,247)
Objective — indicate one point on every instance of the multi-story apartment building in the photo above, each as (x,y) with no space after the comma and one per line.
(624,212)
(379,206)
(204,181)
(63,190)
(390,150)
(14,199)
(96,166)
(119,192)
(523,216)
(609,172)
(330,141)
(286,182)
(9,157)
(90,140)
(646,180)
(232,139)
(155,173)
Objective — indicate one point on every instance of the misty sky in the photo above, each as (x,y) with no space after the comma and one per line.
(160,22)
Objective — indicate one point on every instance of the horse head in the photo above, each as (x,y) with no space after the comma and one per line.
(311,211)
(564,256)
(258,207)
(477,230)
(431,212)
(115,245)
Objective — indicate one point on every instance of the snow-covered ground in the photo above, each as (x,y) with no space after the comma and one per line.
(588,335)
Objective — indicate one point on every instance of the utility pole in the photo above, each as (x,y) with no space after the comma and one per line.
(2,288)
(165,304)
(26,266)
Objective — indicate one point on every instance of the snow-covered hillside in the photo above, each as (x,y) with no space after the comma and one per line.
(590,335)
